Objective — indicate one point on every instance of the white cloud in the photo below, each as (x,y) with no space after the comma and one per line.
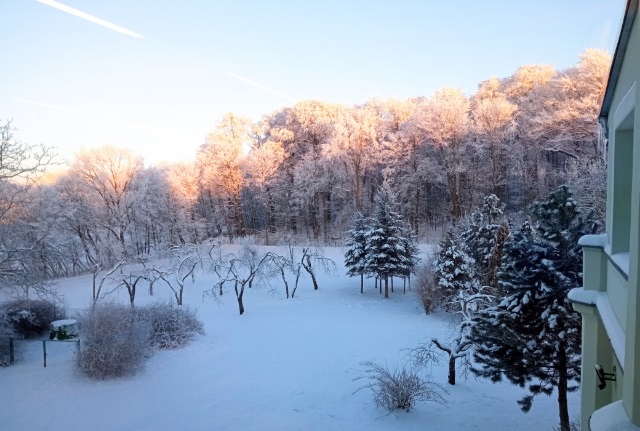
(90,18)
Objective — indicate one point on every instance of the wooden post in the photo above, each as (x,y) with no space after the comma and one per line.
(44,352)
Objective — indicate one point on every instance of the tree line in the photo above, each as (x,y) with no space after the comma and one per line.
(306,169)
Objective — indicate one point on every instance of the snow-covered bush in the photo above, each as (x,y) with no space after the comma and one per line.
(113,342)
(30,317)
(399,389)
(171,326)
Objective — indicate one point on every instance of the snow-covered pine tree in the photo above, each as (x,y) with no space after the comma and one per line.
(532,337)
(484,238)
(385,245)
(356,254)
(454,268)
(409,257)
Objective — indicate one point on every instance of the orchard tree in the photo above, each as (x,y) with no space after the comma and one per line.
(532,337)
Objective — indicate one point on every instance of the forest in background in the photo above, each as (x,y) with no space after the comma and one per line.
(305,170)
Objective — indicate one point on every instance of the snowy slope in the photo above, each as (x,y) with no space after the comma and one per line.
(287,364)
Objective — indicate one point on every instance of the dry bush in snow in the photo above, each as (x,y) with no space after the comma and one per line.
(113,342)
(399,389)
(171,326)
(427,288)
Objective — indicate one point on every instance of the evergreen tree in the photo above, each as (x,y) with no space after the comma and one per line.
(409,257)
(532,337)
(356,254)
(385,245)
(484,239)
(454,268)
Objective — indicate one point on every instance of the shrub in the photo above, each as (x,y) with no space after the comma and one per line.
(31,317)
(171,327)
(113,342)
(399,389)
(6,332)
(427,289)
(116,339)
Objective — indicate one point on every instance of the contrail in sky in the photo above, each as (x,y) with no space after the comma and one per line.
(60,108)
(260,86)
(90,18)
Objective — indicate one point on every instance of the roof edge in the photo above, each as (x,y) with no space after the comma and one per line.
(616,65)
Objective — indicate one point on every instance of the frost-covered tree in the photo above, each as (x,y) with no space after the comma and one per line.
(385,246)
(219,162)
(110,176)
(446,125)
(21,236)
(356,254)
(532,337)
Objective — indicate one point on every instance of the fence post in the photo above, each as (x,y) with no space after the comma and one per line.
(11,354)
(44,352)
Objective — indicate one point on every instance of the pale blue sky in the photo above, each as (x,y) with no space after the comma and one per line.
(71,83)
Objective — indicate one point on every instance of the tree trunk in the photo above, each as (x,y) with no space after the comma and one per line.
(239,294)
(452,370)
(563,407)
(386,286)
(240,305)
(361,283)
(284,279)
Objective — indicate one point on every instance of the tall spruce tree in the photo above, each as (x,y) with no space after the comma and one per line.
(356,254)
(385,245)
(484,239)
(454,268)
(532,337)
(409,258)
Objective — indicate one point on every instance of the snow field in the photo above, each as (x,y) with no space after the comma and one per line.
(286,364)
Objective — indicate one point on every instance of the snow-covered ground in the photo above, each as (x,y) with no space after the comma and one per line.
(287,364)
